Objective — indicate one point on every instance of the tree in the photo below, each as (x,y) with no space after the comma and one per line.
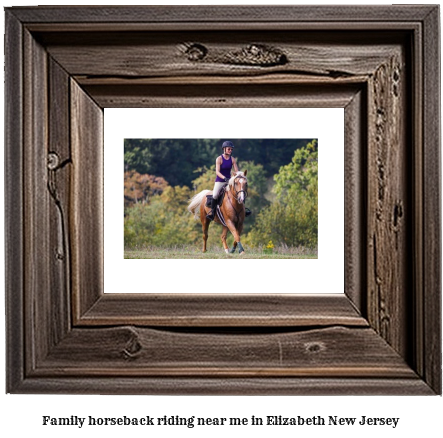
(173,159)
(177,159)
(164,221)
(140,188)
(292,219)
(301,175)
(206,179)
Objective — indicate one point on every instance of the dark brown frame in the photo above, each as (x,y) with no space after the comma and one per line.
(64,65)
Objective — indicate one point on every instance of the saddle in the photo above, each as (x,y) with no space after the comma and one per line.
(220,198)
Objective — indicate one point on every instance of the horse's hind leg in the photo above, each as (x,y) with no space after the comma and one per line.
(223,238)
(205,226)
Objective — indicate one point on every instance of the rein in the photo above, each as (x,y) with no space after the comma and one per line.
(232,205)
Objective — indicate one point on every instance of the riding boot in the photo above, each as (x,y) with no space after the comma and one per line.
(211,214)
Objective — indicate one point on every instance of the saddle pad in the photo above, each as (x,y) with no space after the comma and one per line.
(220,216)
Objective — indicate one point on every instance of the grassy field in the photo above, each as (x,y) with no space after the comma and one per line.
(193,252)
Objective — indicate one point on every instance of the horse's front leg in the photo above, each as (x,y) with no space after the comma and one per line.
(234,247)
(241,250)
(236,235)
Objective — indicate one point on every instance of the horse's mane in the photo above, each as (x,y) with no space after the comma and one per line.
(237,175)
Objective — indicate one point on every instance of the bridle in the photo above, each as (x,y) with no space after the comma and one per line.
(237,192)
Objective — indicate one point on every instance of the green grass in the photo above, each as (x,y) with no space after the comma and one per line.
(194,252)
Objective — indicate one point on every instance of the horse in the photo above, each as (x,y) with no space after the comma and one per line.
(232,208)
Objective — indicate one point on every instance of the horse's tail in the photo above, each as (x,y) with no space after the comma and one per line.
(195,202)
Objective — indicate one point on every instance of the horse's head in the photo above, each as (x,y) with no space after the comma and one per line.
(239,185)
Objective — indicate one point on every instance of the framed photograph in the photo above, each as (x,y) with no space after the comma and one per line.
(177,190)
(378,333)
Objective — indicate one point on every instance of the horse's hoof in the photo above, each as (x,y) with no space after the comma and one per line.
(242,253)
(226,250)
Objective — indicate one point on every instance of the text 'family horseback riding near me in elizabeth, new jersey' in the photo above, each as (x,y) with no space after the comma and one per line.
(196,421)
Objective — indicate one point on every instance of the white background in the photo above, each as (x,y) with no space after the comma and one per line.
(322,275)
(20,415)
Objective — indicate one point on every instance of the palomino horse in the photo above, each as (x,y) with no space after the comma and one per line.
(232,208)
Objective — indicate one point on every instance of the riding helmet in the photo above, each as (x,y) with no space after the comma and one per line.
(228,144)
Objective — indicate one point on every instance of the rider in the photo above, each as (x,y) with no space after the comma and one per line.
(223,165)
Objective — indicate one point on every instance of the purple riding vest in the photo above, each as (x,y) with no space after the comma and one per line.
(225,169)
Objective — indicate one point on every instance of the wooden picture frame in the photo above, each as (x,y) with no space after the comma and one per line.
(65,64)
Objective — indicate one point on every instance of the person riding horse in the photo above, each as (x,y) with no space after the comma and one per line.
(232,211)
(223,166)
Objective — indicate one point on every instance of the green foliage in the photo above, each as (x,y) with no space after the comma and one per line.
(164,221)
(173,159)
(137,155)
(300,175)
(205,181)
(177,159)
(293,218)
(269,152)
(257,184)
